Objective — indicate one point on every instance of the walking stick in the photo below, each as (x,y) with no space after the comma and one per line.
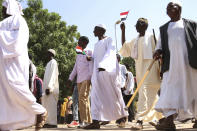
(140,84)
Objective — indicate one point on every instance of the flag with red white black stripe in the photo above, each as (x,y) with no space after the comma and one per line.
(123,15)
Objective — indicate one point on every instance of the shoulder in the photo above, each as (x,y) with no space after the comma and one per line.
(18,19)
(109,39)
(130,74)
(88,52)
(190,21)
(53,62)
(129,43)
(164,25)
(148,35)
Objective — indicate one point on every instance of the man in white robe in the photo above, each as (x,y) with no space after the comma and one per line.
(18,105)
(141,49)
(106,99)
(178,88)
(122,80)
(51,90)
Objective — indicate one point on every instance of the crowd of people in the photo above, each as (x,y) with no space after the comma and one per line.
(102,86)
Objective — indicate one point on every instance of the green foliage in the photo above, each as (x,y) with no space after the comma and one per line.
(48,31)
(1,18)
(128,61)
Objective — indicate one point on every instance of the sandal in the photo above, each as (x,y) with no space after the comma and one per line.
(40,120)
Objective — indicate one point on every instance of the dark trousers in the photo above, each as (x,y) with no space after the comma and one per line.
(131,110)
(69,118)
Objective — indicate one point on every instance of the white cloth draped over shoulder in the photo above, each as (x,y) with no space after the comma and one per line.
(51,82)
(18,105)
(132,49)
(106,99)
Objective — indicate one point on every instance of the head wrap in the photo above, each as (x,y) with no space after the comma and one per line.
(143,20)
(178,2)
(65,99)
(13,7)
(101,26)
(52,51)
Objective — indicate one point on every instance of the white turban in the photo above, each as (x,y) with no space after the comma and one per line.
(178,2)
(101,26)
(52,51)
(13,7)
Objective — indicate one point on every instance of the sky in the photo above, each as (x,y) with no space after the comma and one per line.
(85,14)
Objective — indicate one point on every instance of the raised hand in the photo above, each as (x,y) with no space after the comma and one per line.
(157,54)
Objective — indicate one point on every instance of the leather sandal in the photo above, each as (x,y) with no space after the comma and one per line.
(40,120)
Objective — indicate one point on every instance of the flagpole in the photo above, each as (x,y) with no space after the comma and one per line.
(116,39)
(123,14)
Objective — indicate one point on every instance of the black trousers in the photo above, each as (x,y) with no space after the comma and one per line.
(131,110)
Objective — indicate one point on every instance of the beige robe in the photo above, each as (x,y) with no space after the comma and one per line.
(148,91)
(51,82)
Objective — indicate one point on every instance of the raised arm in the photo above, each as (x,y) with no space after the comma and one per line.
(122,27)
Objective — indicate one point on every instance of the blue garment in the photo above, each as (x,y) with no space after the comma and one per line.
(75,103)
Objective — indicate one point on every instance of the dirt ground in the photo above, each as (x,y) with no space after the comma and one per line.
(113,127)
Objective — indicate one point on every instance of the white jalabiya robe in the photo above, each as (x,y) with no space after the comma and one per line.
(179,84)
(142,49)
(18,106)
(51,82)
(106,99)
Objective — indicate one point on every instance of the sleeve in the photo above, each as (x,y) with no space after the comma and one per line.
(109,61)
(14,38)
(74,72)
(125,51)
(158,46)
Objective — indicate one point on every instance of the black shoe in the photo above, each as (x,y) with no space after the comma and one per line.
(92,126)
(49,126)
(105,122)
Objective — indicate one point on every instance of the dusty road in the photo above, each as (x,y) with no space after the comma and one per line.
(113,127)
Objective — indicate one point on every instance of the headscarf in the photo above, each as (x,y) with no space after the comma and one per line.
(13,7)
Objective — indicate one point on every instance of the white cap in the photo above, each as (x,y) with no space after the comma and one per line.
(178,2)
(52,51)
(102,26)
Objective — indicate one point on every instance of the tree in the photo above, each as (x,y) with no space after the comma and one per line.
(1,18)
(48,31)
